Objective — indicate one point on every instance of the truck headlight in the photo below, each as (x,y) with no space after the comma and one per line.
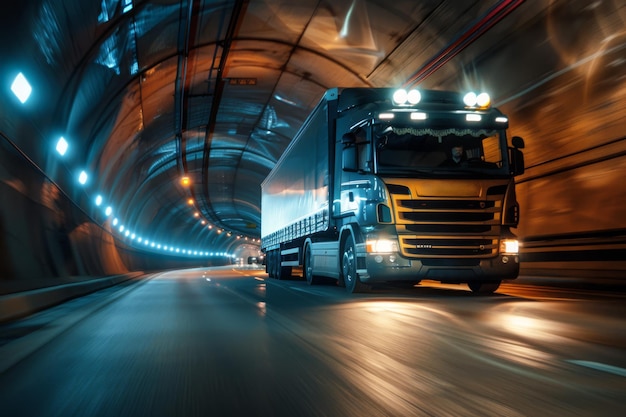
(381,246)
(509,247)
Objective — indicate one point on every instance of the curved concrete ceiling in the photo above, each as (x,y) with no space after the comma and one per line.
(150,91)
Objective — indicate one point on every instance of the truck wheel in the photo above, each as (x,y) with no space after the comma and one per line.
(348,268)
(284,272)
(308,267)
(484,287)
(273,263)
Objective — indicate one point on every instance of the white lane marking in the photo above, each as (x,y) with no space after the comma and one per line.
(600,367)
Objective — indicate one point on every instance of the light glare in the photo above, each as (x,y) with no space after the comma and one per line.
(483,100)
(400,96)
(82,178)
(381,245)
(21,88)
(470,99)
(414,97)
(62,146)
(509,246)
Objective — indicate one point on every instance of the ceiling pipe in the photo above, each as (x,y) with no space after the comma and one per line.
(187,33)
(486,22)
(233,24)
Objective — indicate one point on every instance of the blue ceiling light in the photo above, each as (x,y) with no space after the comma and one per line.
(108,211)
(98,200)
(21,88)
(83,177)
(62,146)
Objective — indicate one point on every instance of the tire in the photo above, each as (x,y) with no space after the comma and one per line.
(269,264)
(488,287)
(282,272)
(275,264)
(348,268)
(308,268)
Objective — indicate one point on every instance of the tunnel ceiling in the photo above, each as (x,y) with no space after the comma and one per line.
(151,91)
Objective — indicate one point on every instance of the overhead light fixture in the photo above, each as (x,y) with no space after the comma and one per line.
(21,88)
(98,200)
(83,177)
(62,146)
(108,211)
(185,181)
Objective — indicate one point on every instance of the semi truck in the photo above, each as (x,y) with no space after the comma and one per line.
(384,185)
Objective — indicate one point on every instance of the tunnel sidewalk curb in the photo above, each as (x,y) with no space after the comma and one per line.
(22,304)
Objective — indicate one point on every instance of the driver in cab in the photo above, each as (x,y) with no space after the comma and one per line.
(456,157)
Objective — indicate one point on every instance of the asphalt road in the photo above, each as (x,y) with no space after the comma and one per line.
(231,342)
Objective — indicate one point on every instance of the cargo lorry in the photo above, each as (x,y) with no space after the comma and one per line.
(368,192)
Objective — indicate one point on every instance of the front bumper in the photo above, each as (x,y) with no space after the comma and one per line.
(389,267)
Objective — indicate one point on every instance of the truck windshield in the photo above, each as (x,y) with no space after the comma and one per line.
(453,151)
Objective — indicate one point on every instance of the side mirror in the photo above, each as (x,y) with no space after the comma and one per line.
(348,154)
(518,142)
(516,161)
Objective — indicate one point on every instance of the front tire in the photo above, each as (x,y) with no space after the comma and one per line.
(489,287)
(308,267)
(348,268)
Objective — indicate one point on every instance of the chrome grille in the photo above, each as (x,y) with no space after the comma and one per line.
(448,228)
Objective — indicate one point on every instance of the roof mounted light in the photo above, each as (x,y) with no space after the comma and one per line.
(483,100)
(402,97)
(474,100)
(418,116)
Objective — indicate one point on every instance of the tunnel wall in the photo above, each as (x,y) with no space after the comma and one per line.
(557,69)
(46,239)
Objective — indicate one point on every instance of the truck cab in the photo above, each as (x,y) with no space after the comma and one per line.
(430,194)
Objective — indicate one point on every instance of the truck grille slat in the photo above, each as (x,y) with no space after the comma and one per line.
(449,228)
